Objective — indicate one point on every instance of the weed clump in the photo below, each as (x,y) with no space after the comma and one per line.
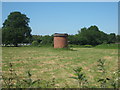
(80,77)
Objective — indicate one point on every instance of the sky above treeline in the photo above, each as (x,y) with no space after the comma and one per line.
(47,18)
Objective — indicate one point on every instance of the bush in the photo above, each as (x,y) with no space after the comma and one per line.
(80,77)
(88,46)
(35,43)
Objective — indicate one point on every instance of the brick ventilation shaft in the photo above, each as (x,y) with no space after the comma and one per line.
(60,40)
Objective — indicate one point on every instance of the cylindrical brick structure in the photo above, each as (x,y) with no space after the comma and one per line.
(60,40)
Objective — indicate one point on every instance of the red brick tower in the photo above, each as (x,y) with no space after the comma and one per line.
(60,40)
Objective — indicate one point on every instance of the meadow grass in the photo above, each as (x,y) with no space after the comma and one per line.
(47,63)
(108,46)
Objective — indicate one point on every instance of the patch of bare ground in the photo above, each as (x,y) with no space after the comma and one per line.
(107,57)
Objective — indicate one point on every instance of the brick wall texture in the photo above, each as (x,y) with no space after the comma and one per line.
(60,42)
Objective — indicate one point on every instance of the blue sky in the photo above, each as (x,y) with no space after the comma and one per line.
(47,18)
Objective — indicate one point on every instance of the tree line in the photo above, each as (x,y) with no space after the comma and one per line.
(16,30)
(86,36)
(93,36)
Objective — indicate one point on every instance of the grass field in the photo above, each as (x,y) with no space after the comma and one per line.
(47,63)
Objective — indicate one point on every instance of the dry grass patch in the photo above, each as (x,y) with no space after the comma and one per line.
(46,63)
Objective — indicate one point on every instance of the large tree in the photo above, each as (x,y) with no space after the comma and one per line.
(16,29)
(112,38)
(90,36)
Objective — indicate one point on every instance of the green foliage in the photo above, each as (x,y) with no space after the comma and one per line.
(91,36)
(47,40)
(35,43)
(37,38)
(43,40)
(103,79)
(118,38)
(80,77)
(107,46)
(12,80)
(88,46)
(114,82)
(16,29)
(29,82)
(112,38)
(86,36)
(101,66)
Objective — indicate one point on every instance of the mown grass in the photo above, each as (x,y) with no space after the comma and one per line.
(47,63)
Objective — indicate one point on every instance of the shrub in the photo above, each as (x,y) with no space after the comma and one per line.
(35,43)
(88,46)
(80,77)
(103,79)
